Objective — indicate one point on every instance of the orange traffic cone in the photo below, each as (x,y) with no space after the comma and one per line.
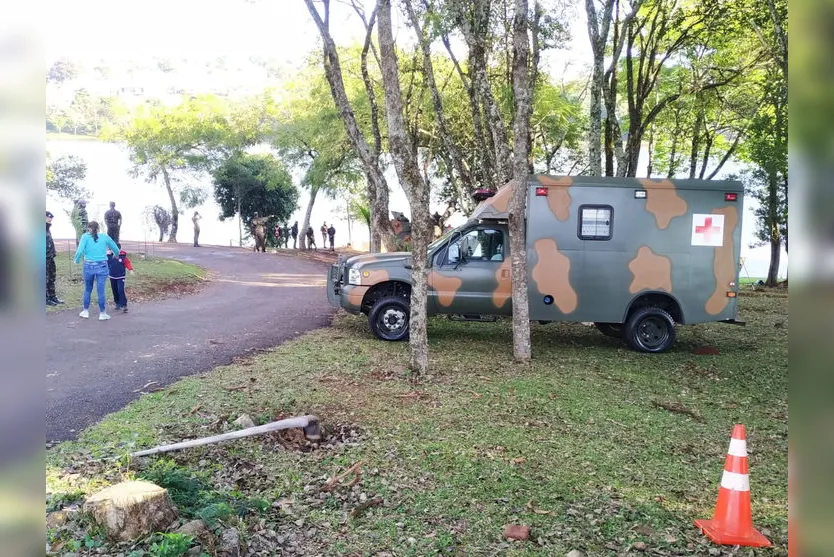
(732,522)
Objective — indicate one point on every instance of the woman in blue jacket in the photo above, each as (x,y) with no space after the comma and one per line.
(93,247)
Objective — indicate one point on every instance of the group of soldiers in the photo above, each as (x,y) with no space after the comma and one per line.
(113,222)
(284,233)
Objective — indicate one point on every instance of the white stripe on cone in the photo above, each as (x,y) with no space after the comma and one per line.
(738,447)
(735,482)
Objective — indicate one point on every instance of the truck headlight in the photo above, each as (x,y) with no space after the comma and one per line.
(354,277)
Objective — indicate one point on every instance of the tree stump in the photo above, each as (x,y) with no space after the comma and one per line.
(133,509)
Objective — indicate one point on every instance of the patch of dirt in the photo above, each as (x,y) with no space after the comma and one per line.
(388,372)
(332,437)
(164,289)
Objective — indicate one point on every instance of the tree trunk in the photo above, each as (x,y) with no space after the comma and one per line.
(239,223)
(522,90)
(651,153)
(175,212)
(370,162)
(696,139)
(774,225)
(302,240)
(775,256)
(452,148)
(476,33)
(598,38)
(710,138)
(416,190)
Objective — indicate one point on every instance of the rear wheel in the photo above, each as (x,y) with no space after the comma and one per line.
(389,318)
(613,330)
(650,329)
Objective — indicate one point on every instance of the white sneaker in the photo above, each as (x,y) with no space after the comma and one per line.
(103,316)
(85,314)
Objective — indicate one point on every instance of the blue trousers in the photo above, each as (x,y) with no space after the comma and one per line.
(95,271)
(119,296)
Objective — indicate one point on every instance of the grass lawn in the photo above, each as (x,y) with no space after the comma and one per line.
(575,445)
(155,277)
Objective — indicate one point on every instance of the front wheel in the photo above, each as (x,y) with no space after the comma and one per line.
(650,329)
(389,318)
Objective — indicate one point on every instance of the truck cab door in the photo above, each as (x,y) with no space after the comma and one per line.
(471,275)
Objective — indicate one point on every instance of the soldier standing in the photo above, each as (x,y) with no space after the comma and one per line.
(196,220)
(311,239)
(331,233)
(323,231)
(79,219)
(277,231)
(51,297)
(113,221)
(294,232)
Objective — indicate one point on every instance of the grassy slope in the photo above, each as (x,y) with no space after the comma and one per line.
(572,445)
(155,277)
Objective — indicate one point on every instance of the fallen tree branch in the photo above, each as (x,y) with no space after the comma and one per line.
(332,482)
(310,424)
(678,409)
(362,507)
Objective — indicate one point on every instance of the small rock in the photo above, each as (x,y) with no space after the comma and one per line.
(56,519)
(412,541)
(194,528)
(244,421)
(640,546)
(575,553)
(516,532)
(299,522)
(132,509)
(229,543)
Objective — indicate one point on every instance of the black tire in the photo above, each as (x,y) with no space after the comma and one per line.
(389,318)
(613,330)
(650,329)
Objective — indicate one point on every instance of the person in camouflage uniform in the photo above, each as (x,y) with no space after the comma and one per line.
(113,221)
(51,297)
(79,219)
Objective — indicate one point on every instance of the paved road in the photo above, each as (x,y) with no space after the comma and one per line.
(254,301)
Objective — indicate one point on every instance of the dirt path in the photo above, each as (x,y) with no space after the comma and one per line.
(254,301)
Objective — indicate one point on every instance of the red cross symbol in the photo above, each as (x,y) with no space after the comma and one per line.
(708,229)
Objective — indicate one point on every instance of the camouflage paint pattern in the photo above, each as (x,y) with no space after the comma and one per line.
(503,293)
(651,271)
(445,287)
(558,197)
(551,275)
(650,251)
(663,201)
(724,264)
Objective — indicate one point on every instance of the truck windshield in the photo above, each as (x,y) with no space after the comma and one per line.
(442,239)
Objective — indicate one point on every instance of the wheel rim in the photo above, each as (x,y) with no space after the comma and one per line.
(393,320)
(652,332)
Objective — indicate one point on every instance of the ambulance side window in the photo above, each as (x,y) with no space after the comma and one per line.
(595,222)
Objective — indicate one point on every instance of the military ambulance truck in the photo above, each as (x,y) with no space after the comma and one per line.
(635,257)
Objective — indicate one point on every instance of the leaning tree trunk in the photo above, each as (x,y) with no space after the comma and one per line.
(416,190)
(302,234)
(370,161)
(175,212)
(522,90)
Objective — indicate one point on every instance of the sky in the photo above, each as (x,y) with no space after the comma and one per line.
(89,30)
